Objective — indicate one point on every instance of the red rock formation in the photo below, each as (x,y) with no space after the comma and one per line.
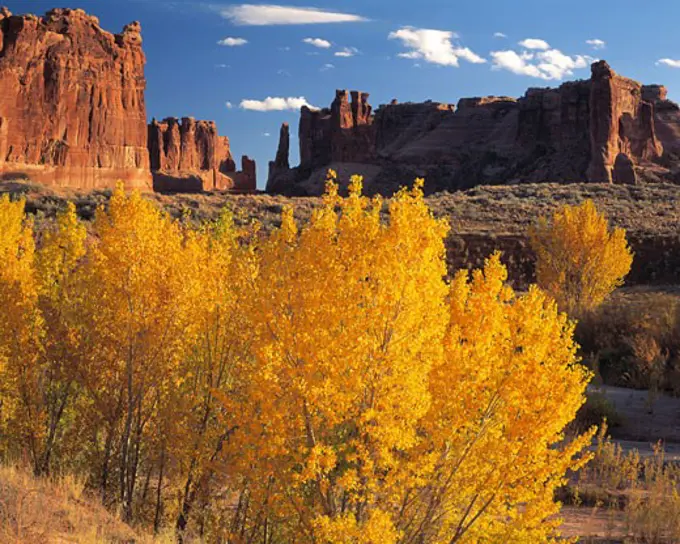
(666,119)
(191,156)
(341,133)
(281,164)
(352,136)
(654,93)
(314,135)
(396,124)
(72,109)
(246,179)
(621,122)
(553,131)
(606,129)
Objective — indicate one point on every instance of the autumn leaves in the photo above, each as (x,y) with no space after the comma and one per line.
(321,383)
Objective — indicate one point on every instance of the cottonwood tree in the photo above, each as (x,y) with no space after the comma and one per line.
(580,260)
(202,424)
(382,404)
(139,316)
(21,421)
(317,384)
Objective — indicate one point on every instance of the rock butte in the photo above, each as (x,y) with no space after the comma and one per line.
(605,129)
(72,113)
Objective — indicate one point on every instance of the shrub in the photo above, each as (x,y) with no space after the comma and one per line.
(634,341)
(393,407)
(597,408)
(646,490)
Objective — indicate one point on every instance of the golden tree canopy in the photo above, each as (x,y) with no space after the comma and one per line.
(579,259)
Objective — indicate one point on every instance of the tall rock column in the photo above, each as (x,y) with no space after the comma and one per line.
(352,134)
(281,164)
(622,130)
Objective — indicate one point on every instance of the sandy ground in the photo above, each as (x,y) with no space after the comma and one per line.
(600,525)
(646,418)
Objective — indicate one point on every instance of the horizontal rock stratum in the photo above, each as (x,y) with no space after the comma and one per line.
(605,129)
(72,113)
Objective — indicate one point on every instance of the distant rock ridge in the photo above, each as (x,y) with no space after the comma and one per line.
(73,113)
(607,129)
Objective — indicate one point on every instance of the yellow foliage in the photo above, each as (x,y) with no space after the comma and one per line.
(580,260)
(507,387)
(322,383)
(20,326)
(384,405)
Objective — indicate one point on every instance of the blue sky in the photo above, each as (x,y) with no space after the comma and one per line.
(433,49)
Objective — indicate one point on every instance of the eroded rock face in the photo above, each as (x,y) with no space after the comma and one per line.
(605,129)
(621,122)
(352,136)
(190,156)
(72,113)
(72,109)
(341,133)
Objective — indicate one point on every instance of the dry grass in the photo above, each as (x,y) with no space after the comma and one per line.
(56,511)
(483,219)
(638,496)
(641,209)
(633,340)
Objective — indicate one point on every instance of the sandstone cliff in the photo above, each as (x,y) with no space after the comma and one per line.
(72,113)
(72,109)
(605,129)
(190,156)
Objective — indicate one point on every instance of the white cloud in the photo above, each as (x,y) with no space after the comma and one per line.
(318,42)
(229,105)
(596,44)
(271,14)
(499,35)
(346,52)
(267,134)
(669,62)
(222,66)
(232,42)
(275,104)
(548,65)
(327,67)
(434,46)
(411,55)
(533,43)
(283,73)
